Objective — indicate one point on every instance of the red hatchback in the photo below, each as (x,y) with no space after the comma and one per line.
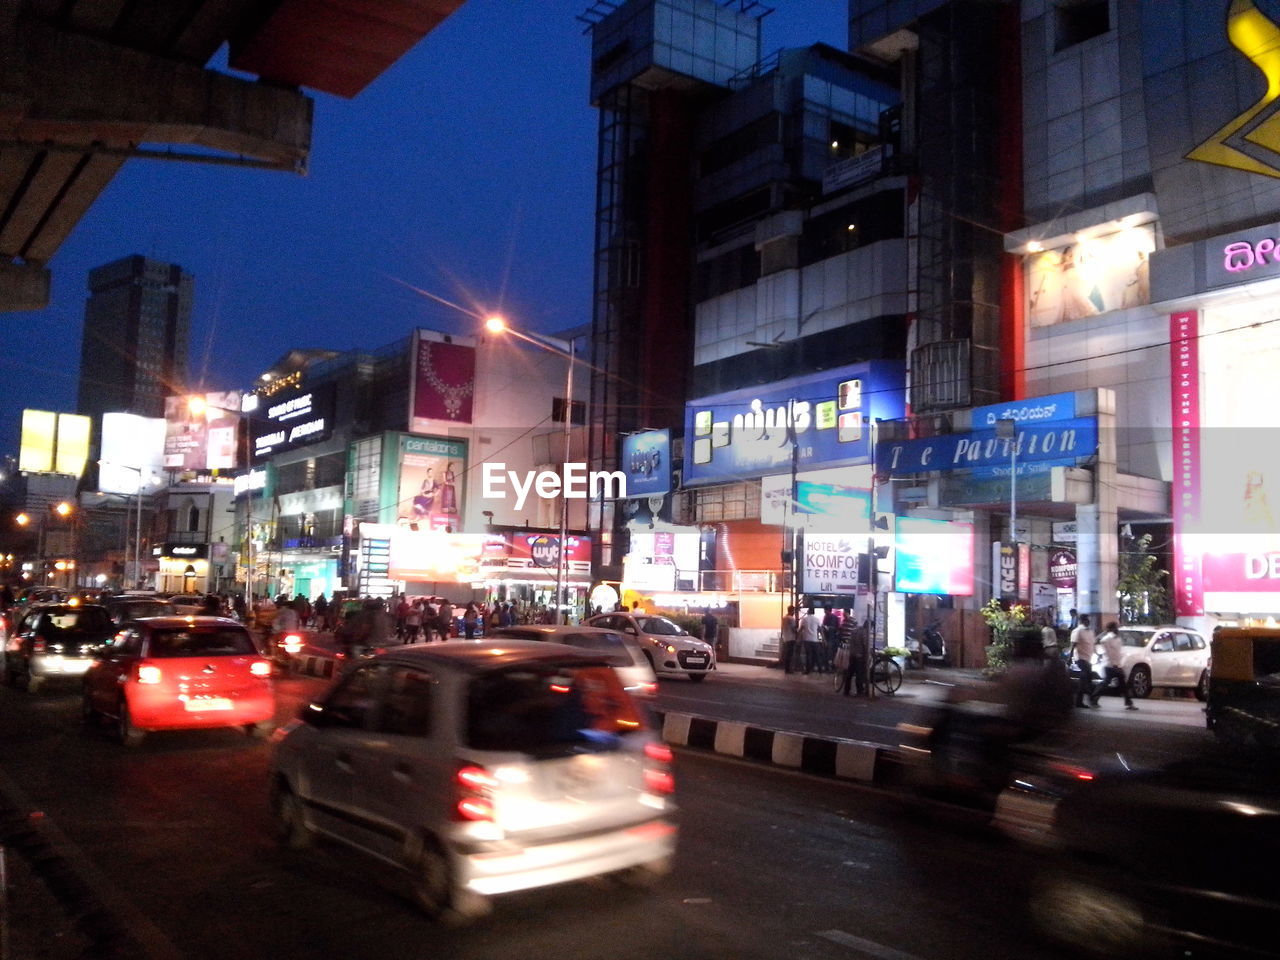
(175,673)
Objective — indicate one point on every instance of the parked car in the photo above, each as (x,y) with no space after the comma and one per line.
(623,650)
(669,649)
(187,603)
(174,673)
(480,768)
(1168,656)
(1176,862)
(55,641)
(125,608)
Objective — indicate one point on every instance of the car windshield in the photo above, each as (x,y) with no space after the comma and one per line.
(1135,638)
(613,647)
(550,710)
(658,626)
(219,642)
(81,620)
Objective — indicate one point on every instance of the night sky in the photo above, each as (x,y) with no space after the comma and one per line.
(467,169)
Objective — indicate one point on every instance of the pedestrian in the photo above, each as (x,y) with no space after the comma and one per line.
(470,621)
(1083,644)
(787,640)
(811,641)
(321,609)
(710,627)
(507,617)
(413,622)
(854,638)
(1048,637)
(444,620)
(830,635)
(1113,650)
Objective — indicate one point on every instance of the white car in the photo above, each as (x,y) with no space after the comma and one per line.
(1169,656)
(669,649)
(623,650)
(481,769)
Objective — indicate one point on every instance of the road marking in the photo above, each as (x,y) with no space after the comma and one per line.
(869,947)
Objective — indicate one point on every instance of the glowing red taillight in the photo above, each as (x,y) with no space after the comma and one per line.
(39,646)
(260,668)
(658,777)
(292,644)
(659,781)
(647,689)
(658,751)
(148,673)
(474,802)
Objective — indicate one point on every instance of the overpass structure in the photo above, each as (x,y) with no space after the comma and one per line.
(87,84)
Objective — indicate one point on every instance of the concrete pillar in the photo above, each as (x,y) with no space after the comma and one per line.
(1097,550)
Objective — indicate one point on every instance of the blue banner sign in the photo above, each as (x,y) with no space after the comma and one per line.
(646,460)
(820,420)
(1059,406)
(1059,442)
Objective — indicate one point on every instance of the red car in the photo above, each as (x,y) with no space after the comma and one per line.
(177,673)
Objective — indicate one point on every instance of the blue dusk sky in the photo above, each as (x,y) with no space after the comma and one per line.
(467,169)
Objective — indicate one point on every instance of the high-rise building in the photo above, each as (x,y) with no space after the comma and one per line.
(134,346)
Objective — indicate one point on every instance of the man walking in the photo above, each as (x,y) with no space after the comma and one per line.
(854,638)
(1083,644)
(787,639)
(811,637)
(1113,650)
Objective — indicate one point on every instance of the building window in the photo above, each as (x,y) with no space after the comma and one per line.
(193,519)
(578,413)
(1079,20)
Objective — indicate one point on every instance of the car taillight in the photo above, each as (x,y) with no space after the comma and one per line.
(474,795)
(292,644)
(148,673)
(260,668)
(39,646)
(658,777)
(647,689)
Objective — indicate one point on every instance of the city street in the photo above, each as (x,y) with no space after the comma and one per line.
(173,838)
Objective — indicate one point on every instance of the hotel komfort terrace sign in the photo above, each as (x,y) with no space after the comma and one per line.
(573,482)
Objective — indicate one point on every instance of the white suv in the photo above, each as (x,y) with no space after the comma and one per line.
(1169,656)
(480,769)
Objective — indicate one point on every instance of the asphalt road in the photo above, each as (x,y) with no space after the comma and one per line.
(173,838)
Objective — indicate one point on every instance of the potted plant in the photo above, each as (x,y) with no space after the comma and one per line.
(1001,620)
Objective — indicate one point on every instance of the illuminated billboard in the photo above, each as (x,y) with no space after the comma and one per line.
(1091,277)
(444,380)
(200,431)
(933,556)
(54,443)
(287,421)
(646,460)
(435,556)
(132,451)
(429,491)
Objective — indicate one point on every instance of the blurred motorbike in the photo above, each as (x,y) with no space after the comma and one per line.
(286,648)
(929,647)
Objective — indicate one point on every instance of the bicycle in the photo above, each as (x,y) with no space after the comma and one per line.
(886,675)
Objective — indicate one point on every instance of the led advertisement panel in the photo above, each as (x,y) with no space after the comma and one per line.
(823,419)
(434,556)
(933,556)
(72,451)
(200,431)
(35,453)
(646,460)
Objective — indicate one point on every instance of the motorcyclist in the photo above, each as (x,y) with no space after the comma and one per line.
(286,621)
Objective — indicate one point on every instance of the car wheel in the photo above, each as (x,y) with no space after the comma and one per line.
(260,730)
(288,820)
(1202,686)
(1140,682)
(129,735)
(434,890)
(697,677)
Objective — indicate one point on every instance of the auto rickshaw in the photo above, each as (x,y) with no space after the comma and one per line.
(1243,707)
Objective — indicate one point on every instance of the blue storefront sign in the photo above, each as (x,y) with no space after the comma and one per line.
(1054,443)
(1059,406)
(820,420)
(646,460)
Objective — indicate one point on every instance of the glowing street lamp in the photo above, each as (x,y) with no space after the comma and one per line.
(497,324)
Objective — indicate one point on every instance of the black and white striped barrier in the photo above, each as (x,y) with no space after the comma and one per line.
(821,756)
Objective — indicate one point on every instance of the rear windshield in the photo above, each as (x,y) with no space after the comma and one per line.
(548,710)
(219,642)
(612,646)
(76,620)
(658,626)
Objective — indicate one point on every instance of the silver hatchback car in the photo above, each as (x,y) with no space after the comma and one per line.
(671,651)
(480,769)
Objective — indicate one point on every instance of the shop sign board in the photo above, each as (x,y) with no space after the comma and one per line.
(646,460)
(1040,445)
(1062,569)
(291,420)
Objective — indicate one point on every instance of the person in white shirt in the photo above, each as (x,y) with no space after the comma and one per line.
(1082,648)
(810,640)
(1113,650)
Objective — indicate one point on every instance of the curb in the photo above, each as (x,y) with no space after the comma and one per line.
(855,760)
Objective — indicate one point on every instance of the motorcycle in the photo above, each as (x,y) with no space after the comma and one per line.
(928,648)
(286,647)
